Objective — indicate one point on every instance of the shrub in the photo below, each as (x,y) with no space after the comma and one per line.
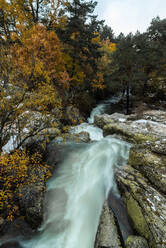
(15,171)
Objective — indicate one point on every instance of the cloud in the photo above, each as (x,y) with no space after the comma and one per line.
(130,15)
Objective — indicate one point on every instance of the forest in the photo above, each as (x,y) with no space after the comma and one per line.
(56,54)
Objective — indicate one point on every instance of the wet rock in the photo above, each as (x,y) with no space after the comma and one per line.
(136,242)
(107,234)
(53,151)
(122,219)
(13,230)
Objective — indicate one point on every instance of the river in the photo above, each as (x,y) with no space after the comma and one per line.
(75,195)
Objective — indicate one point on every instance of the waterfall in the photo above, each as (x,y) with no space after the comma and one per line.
(76,193)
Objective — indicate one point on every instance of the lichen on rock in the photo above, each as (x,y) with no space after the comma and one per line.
(136,242)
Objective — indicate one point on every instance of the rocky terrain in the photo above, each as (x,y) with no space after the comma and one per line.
(142,182)
(138,218)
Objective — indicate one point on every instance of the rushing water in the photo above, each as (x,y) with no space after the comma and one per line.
(102,107)
(77,191)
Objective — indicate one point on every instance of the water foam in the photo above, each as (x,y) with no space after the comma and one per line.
(76,194)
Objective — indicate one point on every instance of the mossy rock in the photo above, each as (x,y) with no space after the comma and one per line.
(151,165)
(137,217)
(129,134)
(142,138)
(136,242)
(113,128)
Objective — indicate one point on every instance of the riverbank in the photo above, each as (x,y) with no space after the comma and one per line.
(124,127)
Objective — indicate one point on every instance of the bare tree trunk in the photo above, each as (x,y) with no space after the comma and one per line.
(127,99)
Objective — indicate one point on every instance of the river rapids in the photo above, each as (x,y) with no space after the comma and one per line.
(75,195)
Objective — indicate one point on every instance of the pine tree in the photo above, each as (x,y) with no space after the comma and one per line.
(80,37)
(125,66)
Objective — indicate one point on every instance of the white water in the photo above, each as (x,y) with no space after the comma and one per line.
(95,133)
(77,191)
(100,108)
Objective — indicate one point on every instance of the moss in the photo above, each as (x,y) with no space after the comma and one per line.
(146,158)
(129,135)
(135,158)
(116,129)
(137,217)
(141,138)
(136,241)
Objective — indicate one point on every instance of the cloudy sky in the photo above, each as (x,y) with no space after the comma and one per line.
(130,15)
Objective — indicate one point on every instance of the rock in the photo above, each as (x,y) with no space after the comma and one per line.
(102,120)
(73,137)
(107,235)
(136,242)
(31,198)
(145,205)
(53,152)
(155,115)
(151,165)
(142,183)
(15,229)
(39,142)
(79,137)
(122,219)
(50,132)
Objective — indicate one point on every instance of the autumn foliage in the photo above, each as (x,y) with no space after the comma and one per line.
(15,169)
(46,64)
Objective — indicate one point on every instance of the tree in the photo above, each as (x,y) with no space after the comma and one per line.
(32,76)
(157,39)
(106,33)
(18,15)
(107,48)
(81,41)
(125,66)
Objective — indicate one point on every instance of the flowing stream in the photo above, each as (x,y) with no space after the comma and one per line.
(76,193)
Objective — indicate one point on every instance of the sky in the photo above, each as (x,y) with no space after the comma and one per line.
(130,15)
